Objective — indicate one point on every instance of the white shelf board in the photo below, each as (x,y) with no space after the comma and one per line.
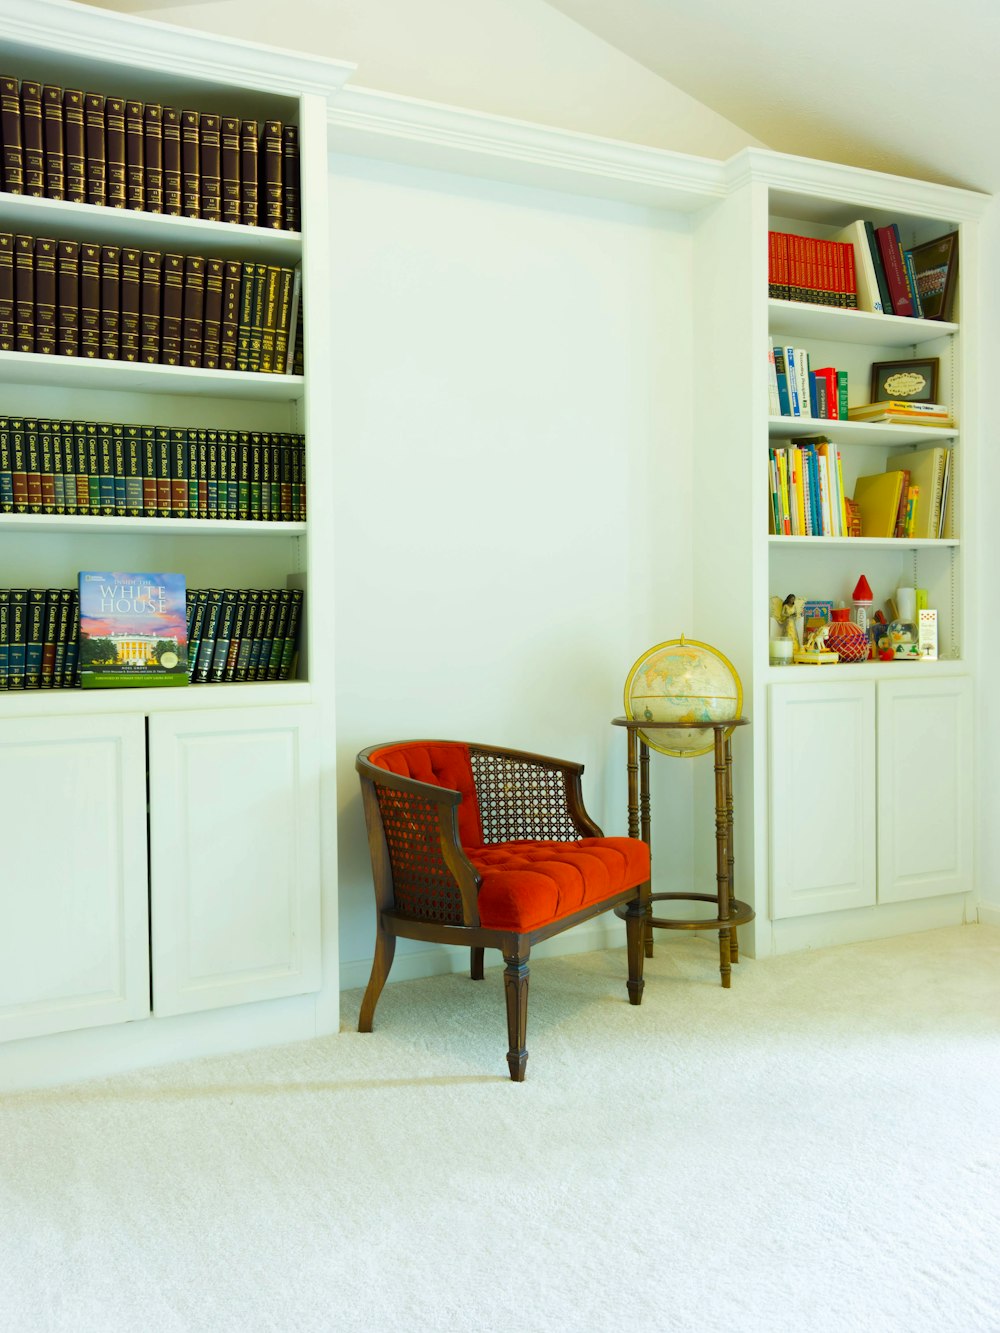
(856,543)
(135,376)
(854,326)
(144,700)
(800,673)
(96,523)
(857,432)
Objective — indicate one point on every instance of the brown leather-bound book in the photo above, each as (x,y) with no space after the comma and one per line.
(190,164)
(68,302)
(272,190)
(90,301)
(130,305)
(135,156)
(215,273)
(74,146)
(32,138)
(110,302)
(7,323)
(153,157)
(10,131)
(249,190)
(94,138)
(229,331)
(269,317)
(45,295)
(52,130)
(171,124)
(193,329)
(172,310)
(290,177)
(209,132)
(151,292)
(114,151)
(24,293)
(229,168)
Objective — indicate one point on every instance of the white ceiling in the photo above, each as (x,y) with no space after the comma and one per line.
(896,85)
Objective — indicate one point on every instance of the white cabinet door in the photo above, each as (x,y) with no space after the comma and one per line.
(822,797)
(924,788)
(74,945)
(234,856)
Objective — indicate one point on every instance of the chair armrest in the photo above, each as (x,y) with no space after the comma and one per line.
(418,864)
(529,796)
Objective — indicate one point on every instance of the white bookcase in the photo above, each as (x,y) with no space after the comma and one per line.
(238,889)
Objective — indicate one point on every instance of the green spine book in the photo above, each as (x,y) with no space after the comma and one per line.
(202,438)
(55,149)
(249,634)
(54,441)
(255,475)
(178,472)
(192,473)
(81,462)
(133,471)
(197,598)
(299,477)
(236,638)
(232,448)
(16,641)
(35,626)
(105,469)
(266,462)
(260,633)
(212,473)
(223,636)
(290,648)
(149,497)
(273,666)
(67,444)
(275,469)
(93,466)
(6,469)
(33,456)
(243,464)
(71,670)
(50,629)
(4,634)
(47,456)
(206,648)
(133,629)
(62,640)
(118,455)
(284,451)
(162,471)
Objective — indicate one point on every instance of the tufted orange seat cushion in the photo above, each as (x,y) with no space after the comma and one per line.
(528,884)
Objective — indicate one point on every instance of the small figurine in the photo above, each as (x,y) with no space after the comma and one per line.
(816,639)
(786,613)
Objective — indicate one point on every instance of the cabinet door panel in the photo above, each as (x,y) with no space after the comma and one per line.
(234,847)
(924,788)
(822,797)
(74,948)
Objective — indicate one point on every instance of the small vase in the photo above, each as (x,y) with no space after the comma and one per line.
(848,640)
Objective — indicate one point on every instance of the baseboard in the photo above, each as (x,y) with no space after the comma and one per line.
(436,959)
(870,923)
(989,914)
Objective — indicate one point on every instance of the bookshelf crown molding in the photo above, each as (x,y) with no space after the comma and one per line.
(83,33)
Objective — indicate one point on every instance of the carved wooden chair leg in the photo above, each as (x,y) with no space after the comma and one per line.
(515,984)
(385,948)
(635,935)
(476,965)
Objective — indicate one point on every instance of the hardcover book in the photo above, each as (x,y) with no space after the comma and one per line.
(133,629)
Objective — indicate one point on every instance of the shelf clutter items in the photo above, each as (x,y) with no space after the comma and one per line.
(98,148)
(102,468)
(233,634)
(865,267)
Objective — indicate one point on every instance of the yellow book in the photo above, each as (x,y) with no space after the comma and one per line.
(878,499)
(927,467)
(843,498)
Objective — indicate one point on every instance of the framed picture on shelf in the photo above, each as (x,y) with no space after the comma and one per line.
(935,267)
(914,381)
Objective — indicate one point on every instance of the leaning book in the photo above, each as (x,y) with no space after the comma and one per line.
(133,630)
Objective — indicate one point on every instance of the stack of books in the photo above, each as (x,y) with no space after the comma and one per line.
(910,499)
(796,389)
(807,489)
(901,412)
(802,268)
(96,148)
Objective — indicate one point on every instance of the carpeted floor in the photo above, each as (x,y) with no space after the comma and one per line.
(816,1149)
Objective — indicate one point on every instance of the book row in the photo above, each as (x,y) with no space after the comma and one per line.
(97,148)
(866,267)
(233,634)
(139,471)
(795,389)
(110,302)
(808,498)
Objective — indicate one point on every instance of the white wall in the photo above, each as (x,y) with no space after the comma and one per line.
(512,468)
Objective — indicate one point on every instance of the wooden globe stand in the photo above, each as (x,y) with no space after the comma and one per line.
(730,912)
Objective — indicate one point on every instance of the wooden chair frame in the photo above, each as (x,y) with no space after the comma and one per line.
(453,865)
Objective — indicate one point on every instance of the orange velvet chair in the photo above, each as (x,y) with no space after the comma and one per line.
(490,848)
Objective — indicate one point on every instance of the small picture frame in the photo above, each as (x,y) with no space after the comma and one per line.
(935,269)
(913,381)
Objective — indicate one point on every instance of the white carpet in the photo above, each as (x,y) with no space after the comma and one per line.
(816,1149)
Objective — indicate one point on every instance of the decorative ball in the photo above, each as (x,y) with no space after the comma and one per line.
(848,641)
(682,680)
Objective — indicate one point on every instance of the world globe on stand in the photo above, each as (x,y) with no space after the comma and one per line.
(682,680)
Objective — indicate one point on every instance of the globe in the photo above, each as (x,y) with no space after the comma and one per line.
(682,680)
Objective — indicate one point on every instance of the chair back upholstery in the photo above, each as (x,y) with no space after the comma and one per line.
(442,764)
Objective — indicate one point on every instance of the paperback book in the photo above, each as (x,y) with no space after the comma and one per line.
(133,629)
